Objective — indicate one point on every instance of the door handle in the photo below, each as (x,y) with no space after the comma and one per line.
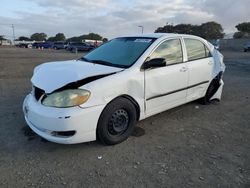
(183,69)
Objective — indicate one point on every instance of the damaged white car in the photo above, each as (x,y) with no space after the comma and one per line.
(103,94)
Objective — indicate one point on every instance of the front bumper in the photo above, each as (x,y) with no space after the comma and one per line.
(46,121)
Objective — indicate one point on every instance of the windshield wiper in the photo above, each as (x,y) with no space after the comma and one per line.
(102,62)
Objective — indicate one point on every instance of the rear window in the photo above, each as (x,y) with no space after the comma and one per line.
(196,49)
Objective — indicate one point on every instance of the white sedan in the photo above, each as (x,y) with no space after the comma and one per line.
(103,94)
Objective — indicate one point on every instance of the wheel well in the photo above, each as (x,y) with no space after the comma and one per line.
(133,101)
(216,79)
(218,76)
(216,82)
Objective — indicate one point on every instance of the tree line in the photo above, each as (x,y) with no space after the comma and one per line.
(243,30)
(208,30)
(61,37)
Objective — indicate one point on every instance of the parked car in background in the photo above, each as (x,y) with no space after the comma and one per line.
(36,44)
(44,45)
(103,94)
(67,45)
(59,45)
(78,46)
(24,45)
(247,47)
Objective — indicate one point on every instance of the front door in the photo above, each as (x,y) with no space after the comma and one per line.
(166,87)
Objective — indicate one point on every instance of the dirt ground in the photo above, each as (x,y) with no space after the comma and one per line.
(189,146)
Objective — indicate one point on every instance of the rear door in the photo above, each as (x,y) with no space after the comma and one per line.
(200,63)
(165,87)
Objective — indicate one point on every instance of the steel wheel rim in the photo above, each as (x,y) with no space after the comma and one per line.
(118,122)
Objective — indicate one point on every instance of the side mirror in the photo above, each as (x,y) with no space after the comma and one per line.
(154,63)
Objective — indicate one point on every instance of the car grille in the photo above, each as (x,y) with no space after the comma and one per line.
(38,93)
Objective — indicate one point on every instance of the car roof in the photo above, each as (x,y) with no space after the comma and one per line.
(159,35)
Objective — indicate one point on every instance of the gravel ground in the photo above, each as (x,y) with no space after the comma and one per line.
(189,146)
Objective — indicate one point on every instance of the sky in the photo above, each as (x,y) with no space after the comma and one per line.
(113,18)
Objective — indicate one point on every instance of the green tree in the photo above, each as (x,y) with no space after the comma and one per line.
(168,28)
(51,39)
(209,30)
(243,30)
(94,36)
(73,39)
(58,37)
(105,40)
(2,37)
(187,29)
(238,35)
(38,36)
(21,38)
(90,36)
(244,27)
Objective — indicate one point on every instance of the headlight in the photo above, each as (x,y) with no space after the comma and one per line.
(67,98)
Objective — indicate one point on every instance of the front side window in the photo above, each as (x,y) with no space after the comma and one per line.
(196,49)
(119,52)
(170,50)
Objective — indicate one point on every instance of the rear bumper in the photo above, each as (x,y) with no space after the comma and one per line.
(218,93)
(46,121)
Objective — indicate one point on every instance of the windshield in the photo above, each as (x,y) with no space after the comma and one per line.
(119,52)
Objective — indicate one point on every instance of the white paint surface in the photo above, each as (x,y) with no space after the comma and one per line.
(134,82)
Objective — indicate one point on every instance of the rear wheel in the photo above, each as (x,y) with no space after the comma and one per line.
(116,122)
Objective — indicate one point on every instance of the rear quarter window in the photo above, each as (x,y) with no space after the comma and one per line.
(196,49)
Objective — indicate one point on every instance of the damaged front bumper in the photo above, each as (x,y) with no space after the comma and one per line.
(62,125)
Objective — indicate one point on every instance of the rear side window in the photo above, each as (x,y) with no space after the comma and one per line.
(196,49)
(170,50)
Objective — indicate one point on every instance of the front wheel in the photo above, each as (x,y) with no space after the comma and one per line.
(116,122)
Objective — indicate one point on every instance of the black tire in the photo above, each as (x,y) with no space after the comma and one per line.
(211,90)
(117,121)
(245,50)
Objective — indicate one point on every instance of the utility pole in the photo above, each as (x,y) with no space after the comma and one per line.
(142,28)
(13,30)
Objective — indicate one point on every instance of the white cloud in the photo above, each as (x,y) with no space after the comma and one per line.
(112,18)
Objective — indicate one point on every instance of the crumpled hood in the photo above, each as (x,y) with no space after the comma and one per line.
(54,75)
